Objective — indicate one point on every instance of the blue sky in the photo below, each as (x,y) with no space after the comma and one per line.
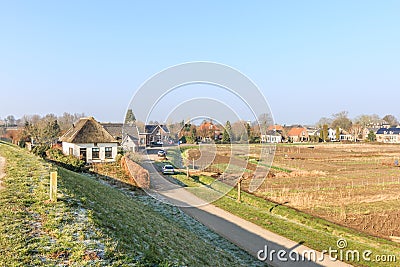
(309,58)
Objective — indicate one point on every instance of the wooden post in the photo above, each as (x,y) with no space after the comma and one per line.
(239,185)
(53,186)
(187,171)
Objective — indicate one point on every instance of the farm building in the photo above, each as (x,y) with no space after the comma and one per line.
(88,140)
(388,135)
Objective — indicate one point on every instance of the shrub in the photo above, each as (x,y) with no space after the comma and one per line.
(40,150)
(118,158)
(69,162)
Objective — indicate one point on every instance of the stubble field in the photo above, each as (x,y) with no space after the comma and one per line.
(356,185)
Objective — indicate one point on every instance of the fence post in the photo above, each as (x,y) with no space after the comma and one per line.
(53,186)
(187,171)
(239,185)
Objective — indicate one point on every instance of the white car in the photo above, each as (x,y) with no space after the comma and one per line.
(168,169)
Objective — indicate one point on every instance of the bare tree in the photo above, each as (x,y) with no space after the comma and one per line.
(10,120)
(66,120)
(390,119)
(341,120)
(239,130)
(43,130)
(365,120)
(323,121)
(356,130)
(264,121)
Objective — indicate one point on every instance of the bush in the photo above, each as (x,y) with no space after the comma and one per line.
(21,143)
(55,153)
(40,150)
(69,162)
(118,158)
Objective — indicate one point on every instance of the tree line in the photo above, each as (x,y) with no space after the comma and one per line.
(42,129)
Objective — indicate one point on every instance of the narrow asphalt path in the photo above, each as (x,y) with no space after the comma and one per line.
(248,236)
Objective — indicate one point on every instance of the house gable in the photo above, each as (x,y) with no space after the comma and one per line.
(87,130)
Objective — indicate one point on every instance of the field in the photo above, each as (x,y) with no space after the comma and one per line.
(356,185)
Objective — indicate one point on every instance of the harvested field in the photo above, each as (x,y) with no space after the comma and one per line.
(357,185)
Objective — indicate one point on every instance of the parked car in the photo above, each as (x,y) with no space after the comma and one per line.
(155,144)
(162,153)
(168,169)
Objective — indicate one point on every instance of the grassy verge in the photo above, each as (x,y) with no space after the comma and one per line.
(96,224)
(315,233)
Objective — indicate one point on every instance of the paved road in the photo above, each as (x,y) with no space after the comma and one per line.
(2,174)
(246,235)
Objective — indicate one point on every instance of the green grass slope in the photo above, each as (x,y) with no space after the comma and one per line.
(96,224)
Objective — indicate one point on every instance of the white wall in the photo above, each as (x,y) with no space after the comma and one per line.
(89,146)
(129,145)
(271,139)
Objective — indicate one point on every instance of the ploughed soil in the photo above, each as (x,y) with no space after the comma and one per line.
(357,185)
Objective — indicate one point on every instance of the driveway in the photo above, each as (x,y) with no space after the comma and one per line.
(248,236)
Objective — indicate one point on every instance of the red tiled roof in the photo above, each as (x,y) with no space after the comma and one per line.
(207,126)
(297,131)
(275,127)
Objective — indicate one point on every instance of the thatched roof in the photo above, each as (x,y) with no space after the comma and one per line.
(87,130)
(115,129)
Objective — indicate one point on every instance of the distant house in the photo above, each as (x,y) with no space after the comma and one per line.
(276,127)
(345,136)
(130,143)
(388,135)
(332,135)
(298,134)
(115,129)
(88,140)
(312,131)
(271,137)
(378,125)
(154,135)
(208,131)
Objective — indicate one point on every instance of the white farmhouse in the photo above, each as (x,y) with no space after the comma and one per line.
(332,135)
(271,137)
(88,140)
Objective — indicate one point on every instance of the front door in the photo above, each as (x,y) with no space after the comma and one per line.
(82,154)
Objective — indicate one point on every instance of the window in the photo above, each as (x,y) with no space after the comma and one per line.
(95,153)
(70,151)
(108,153)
